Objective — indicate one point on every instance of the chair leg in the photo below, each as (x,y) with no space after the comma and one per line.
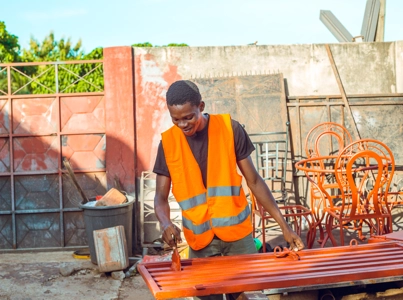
(329,233)
(321,230)
(254,225)
(341,234)
(310,239)
(264,235)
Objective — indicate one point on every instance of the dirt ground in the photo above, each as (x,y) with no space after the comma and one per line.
(39,276)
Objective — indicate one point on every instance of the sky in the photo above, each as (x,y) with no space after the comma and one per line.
(109,23)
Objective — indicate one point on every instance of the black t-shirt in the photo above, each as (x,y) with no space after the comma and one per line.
(199,145)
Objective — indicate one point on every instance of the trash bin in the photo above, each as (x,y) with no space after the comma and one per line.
(101,217)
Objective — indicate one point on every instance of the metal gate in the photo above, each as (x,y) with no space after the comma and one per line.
(39,207)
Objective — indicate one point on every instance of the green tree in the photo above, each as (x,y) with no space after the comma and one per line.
(147,44)
(176,45)
(9,47)
(9,52)
(69,78)
(52,50)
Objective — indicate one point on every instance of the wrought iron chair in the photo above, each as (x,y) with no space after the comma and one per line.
(327,138)
(295,215)
(363,163)
(271,156)
(324,139)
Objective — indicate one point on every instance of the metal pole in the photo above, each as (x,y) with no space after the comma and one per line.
(342,91)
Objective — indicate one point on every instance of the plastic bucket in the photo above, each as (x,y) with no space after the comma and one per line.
(101,217)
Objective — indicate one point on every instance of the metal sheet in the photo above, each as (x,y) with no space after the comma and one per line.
(230,274)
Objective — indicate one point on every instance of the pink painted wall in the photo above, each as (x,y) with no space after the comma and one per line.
(120,124)
(151,83)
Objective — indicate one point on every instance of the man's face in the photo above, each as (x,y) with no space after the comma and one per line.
(187,117)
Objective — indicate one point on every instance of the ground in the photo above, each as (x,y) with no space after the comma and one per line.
(38,276)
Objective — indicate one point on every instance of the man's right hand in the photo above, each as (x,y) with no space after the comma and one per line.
(168,232)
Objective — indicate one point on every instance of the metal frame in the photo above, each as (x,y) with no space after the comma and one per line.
(10,96)
(329,102)
(147,192)
(267,157)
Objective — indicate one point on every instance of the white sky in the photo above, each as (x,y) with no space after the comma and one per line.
(110,23)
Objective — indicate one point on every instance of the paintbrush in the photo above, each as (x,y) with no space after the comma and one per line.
(176,260)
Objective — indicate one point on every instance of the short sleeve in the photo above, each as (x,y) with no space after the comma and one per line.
(243,145)
(160,166)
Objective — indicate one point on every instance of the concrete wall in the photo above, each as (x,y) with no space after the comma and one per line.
(365,68)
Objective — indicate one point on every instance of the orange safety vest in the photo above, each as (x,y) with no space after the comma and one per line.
(222,208)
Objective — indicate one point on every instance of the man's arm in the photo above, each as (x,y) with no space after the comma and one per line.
(263,194)
(162,210)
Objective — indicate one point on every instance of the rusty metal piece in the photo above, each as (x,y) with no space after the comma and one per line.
(278,252)
(111,249)
(253,272)
(353,242)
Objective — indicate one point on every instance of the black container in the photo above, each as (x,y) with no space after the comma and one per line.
(101,217)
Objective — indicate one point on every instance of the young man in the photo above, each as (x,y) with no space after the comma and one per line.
(199,155)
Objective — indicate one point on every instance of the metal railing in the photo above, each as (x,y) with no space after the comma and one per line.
(79,76)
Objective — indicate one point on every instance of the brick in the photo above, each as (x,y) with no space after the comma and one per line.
(112,197)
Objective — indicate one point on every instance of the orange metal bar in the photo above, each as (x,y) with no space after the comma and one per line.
(241,273)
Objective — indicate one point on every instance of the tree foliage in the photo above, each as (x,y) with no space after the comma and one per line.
(63,78)
(176,45)
(53,78)
(52,50)
(147,44)
(9,46)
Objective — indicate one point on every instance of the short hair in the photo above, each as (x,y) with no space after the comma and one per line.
(183,91)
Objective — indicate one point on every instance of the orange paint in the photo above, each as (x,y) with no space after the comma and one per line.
(252,272)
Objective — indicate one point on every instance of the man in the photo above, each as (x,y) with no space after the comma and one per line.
(199,155)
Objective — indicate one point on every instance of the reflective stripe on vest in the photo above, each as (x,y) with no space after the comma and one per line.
(197,229)
(212,192)
(224,191)
(192,202)
(217,222)
(230,221)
